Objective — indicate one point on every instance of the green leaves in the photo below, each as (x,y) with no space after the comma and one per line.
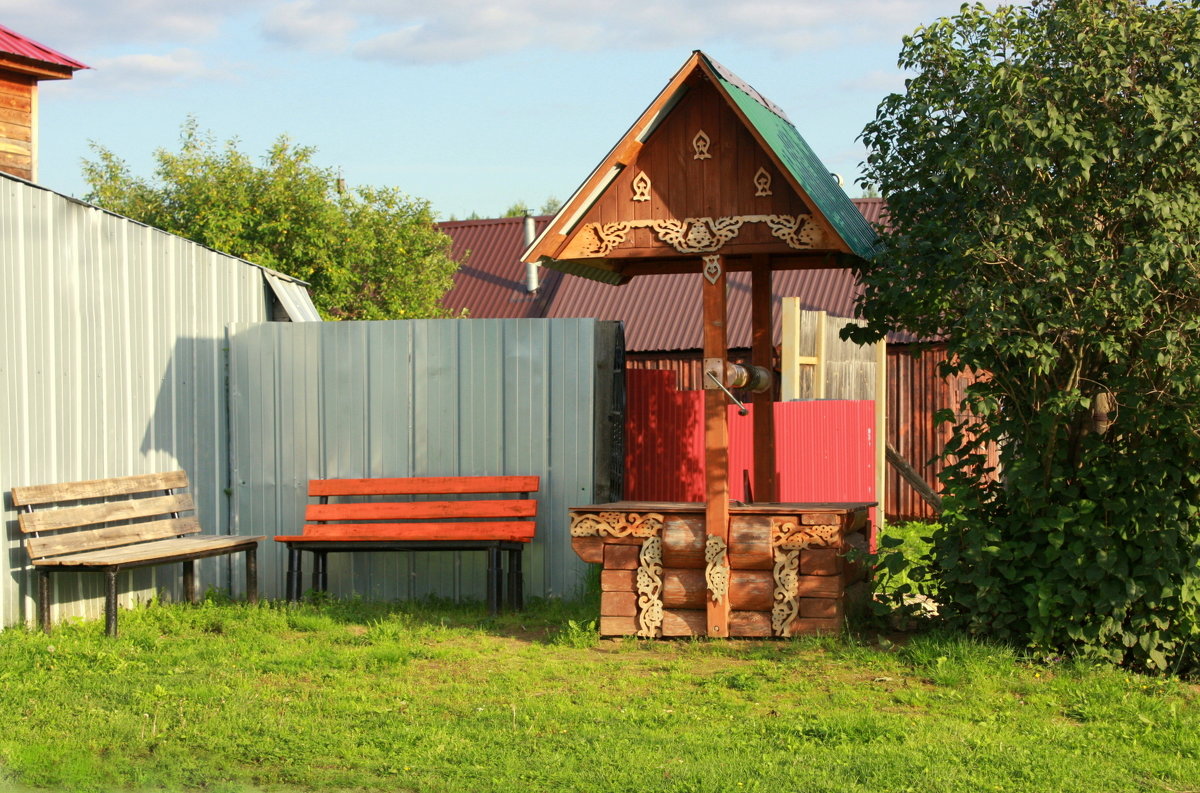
(371,253)
(1044,199)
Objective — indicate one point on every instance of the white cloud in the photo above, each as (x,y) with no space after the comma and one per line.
(148,71)
(80,26)
(455,30)
(422,31)
(303,23)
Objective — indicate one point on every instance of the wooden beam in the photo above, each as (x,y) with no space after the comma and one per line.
(716,428)
(762,354)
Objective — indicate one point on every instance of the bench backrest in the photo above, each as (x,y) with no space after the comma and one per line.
(462,518)
(143,507)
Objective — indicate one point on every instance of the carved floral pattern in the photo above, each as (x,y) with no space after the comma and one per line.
(797,232)
(789,534)
(716,571)
(701,235)
(615,524)
(649,588)
(787,588)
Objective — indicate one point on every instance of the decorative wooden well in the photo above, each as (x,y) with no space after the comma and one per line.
(784,571)
(713,178)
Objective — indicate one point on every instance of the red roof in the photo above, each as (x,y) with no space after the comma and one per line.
(13,43)
(490,282)
(663,312)
(660,312)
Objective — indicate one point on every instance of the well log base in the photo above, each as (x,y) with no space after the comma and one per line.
(788,573)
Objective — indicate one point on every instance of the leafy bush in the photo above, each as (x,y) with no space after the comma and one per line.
(1043,185)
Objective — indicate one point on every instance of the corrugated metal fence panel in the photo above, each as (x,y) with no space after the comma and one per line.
(413,398)
(111,356)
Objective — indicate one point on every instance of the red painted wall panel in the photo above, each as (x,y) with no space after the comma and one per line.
(825,449)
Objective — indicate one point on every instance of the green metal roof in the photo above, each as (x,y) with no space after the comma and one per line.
(807,169)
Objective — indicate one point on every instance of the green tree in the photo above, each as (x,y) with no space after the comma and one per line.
(1043,188)
(369,253)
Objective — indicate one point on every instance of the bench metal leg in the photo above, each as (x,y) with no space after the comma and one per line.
(189,581)
(252,575)
(495,581)
(44,599)
(294,573)
(320,579)
(110,603)
(516,582)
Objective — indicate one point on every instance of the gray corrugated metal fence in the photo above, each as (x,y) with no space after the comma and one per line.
(419,398)
(112,362)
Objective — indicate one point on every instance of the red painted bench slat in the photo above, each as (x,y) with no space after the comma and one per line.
(513,531)
(413,510)
(422,486)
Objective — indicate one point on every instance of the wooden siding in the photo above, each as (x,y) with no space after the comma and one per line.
(682,186)
(17,124)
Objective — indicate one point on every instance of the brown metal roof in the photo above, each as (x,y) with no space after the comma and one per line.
(660,312)
(490,282)
(13,43)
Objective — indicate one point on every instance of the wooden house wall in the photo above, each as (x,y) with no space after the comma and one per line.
(17,96)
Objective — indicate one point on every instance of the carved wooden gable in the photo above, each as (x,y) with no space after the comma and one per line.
(694,176)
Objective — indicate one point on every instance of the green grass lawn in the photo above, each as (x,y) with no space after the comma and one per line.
(438,697)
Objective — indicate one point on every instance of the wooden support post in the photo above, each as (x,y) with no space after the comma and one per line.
(110,601)
(44,599)
(762,354)
(252,574)
(716,433)
(189,581)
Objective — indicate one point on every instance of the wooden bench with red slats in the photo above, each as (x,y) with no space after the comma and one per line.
(392,521)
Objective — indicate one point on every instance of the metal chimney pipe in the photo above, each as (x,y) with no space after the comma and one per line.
(531,268)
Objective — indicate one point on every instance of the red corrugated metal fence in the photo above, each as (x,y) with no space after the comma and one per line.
(824,448)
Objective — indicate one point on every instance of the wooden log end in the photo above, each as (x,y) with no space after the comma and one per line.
(618,626)
(589,549)
(621,557)
(618,604)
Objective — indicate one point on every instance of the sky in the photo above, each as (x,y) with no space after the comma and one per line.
(471,105)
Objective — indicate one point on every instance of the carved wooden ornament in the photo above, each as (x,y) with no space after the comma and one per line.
(649,588)
(712,269)
(615,524)
(787,587)
(789,534)
(716,571)
(762,181)
(700,145)
(701,235)
(641,187)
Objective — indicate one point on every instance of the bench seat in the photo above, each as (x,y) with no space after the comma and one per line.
(179,549)
(110,525)
(392,521)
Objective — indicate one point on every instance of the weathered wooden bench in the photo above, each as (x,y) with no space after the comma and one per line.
(123,523)
(466,523)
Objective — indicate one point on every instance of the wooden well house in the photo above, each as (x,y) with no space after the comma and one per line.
(713,178)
